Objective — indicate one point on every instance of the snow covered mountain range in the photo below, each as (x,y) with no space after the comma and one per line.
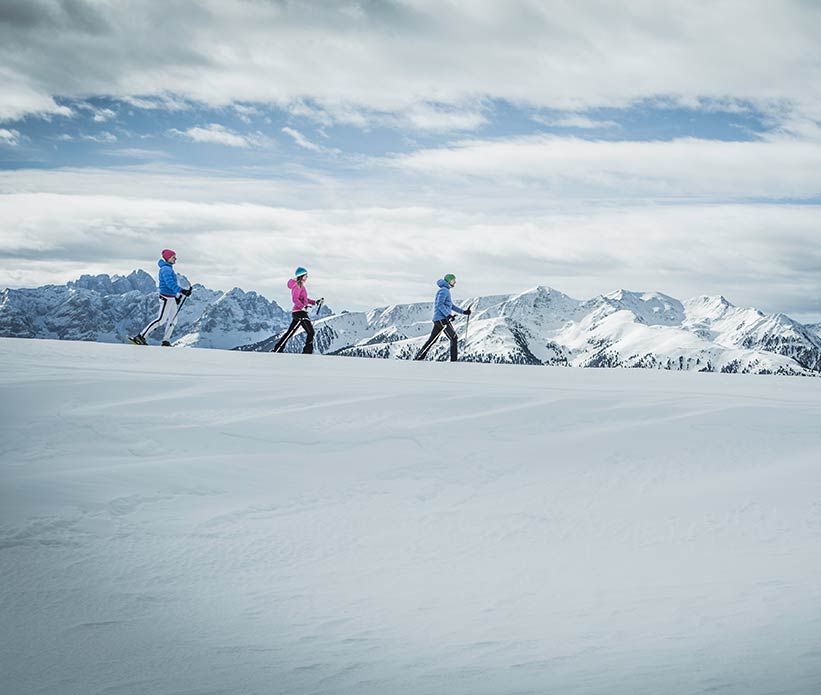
(620,329)
(540,326)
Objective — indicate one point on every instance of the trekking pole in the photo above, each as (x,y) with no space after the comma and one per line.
(467,325)
(179,309)
(289,333)
(319,306)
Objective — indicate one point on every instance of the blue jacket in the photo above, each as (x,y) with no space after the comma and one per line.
(443,305)
(168,279)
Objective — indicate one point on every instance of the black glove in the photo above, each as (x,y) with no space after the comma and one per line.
(466,312)
(320,300)
(186,292)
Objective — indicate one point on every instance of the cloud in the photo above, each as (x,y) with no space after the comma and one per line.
(330,114)
(301,140)
(392,57)
(432,118)
(576,121)
(246,113)
(220,135)
(50,112)
(163,102)
(103,115)
(585,215)
(421,116)
(9,137)
(111,221)
(19,98)
(103,136)
(137,153)
(778,167)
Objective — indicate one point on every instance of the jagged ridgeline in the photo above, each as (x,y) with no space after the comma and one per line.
(541,326)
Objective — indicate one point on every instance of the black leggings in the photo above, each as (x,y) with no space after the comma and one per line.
(300,318)
(439,327)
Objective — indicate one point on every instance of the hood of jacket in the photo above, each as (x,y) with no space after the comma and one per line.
(291,284)
(162,262)
(443,283)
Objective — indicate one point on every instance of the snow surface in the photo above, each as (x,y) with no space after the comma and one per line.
(198,521)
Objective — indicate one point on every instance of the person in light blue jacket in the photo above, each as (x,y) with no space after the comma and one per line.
(443,308)
(171,296)
(167,280)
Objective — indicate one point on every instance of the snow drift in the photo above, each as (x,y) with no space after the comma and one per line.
(198,521)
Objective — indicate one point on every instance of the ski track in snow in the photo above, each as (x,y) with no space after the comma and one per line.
(194,521)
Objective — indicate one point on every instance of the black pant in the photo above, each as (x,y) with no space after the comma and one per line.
(300,318)
(439,327)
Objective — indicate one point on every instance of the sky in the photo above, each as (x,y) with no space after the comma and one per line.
(586,145)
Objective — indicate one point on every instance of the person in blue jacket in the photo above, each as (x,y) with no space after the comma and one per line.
(443,307)
(171,295)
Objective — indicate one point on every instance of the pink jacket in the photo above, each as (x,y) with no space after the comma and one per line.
(300,296)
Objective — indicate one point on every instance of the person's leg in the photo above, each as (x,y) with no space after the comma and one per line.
(454,339)
(164,301)
(287,335)
(434,335)
(169,319)
(309,338)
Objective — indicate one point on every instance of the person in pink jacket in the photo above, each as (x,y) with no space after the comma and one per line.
(299,313)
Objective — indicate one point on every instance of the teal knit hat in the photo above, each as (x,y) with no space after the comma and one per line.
(300,271)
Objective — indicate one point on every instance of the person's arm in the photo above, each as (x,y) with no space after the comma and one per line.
(304,301)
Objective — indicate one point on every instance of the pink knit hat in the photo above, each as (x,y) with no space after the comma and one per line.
(167,253)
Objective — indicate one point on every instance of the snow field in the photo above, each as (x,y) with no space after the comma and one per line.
(195,521)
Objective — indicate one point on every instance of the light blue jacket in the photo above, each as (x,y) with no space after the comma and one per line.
(443,305)
(168,279)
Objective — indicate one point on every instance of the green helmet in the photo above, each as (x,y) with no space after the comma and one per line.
(450,277)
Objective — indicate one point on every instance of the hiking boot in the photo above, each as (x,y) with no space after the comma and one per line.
(165,343)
